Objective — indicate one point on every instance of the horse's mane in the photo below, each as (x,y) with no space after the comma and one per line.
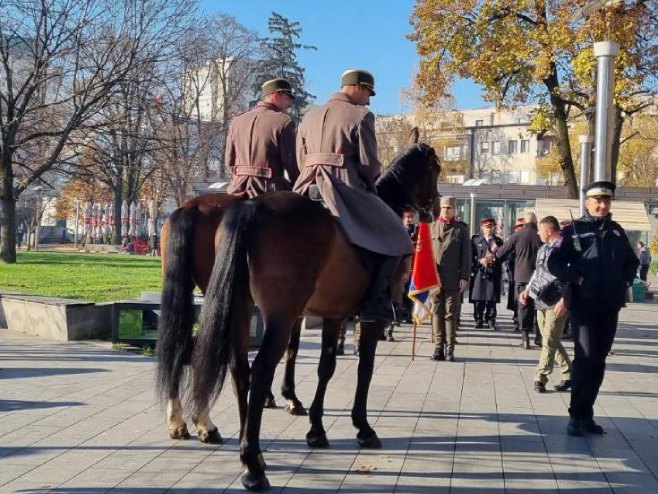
(399,173)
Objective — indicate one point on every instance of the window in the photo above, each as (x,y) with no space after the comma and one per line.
(525,146)
(479,123)
(453,153)
(525,177)
(496,147)
(512,146)
(484,147)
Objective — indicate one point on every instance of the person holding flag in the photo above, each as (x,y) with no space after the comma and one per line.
(451,247)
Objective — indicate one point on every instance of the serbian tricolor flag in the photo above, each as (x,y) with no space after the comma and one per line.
(424,277)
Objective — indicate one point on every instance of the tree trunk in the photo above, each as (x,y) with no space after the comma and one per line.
(617,125)
(117,201)
(562,131)
(8,230)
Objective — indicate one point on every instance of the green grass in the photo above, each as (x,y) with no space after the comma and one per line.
(93,277)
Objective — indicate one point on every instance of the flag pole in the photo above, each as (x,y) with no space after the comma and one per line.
(413,342)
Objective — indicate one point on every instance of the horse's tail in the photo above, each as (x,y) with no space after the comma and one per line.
(224,308)
(177,307)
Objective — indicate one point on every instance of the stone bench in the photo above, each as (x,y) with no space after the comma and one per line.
(56,318)
(139,334)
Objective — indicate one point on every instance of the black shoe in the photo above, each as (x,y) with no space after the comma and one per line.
(540,387)
(438,355)
(592,427)
(567,336)
(479,324)
(450,357)
(525,343)
(390,338)
(575,427)
(563,386)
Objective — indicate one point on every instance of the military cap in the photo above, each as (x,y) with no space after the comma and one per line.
(448,201)
(519,224)
(488,221)
(601,188)
(278,85)
(357,76)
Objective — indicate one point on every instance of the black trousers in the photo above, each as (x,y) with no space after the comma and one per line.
(644,270)
(525,314)
(485,311)
(594,329)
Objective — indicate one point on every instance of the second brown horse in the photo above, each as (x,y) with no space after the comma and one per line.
(287,255)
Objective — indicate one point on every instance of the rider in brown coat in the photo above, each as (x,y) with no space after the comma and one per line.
(260,144)
(337,152)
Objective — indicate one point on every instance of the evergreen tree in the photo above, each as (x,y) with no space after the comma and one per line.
(279,59)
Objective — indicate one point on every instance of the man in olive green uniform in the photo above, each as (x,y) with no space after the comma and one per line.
(337,153)
(260,145)
(451,244)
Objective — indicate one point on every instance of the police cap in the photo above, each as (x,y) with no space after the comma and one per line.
(488,221)
(278,85)
(601,188)
(356,76)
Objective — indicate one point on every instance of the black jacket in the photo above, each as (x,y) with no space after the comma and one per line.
(598,251)
(523,245)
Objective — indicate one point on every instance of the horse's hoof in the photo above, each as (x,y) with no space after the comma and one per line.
(296,409)
(371,441)
(254,482)
(179,433)
(319,441)
(270,402)
(211,437)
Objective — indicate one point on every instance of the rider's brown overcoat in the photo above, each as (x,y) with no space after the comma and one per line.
(337,150)
(261,142)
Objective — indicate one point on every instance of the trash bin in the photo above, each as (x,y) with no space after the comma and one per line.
(639,291)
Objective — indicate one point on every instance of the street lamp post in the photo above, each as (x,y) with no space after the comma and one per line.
(77,219)
(605,52)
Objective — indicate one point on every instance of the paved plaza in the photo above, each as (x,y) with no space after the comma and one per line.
(82,418)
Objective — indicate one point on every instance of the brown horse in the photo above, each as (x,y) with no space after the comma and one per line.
(287,255)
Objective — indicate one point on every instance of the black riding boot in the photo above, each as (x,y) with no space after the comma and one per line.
(377,305)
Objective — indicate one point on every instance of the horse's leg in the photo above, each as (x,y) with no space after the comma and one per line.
(340,349)
(331,328)
(177,425)
(240,373)
(294,406)
(207,432)
(275,340)
(370,333)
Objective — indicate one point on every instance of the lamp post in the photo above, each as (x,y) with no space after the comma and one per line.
(605,52)
(77,219)
(585,165)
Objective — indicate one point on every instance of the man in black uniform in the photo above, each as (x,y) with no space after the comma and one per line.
(486,274)
(523,246)
(597,259)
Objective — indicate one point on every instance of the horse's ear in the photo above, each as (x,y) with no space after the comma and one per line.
(413,136)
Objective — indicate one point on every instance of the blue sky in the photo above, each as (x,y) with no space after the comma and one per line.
(367,34)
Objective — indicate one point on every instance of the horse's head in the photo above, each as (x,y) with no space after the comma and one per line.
(410,181)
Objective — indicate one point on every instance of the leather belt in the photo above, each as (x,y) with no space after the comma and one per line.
(327,159)
(253,171)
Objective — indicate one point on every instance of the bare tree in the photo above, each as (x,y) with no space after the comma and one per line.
(60,63)
(210,81)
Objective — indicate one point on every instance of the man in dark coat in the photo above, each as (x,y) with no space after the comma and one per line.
(596,258)
(523,245)
(337,153)
(509,270)
(486,274)
(452,254)
(260,145)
